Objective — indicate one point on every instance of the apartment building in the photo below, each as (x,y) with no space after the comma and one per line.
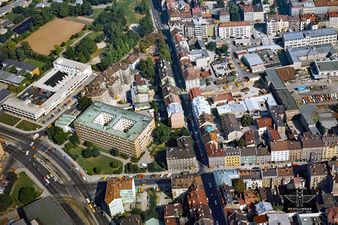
(269,177)
(276,24)
(312,147)
(182,157)
(316,172)
(310,38)
(324,69)
(279,151)
(119,192)
(46,94)
(112,127)
(333,20)
(330,148)
(238,29)
(232,157)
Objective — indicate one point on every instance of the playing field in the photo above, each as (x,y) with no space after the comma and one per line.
(53,33)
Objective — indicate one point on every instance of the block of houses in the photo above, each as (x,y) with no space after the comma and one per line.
(330,148)
(250,197)
(191,78)
(263,156)
(295,151)
(249,138)
(119,192)
(173,214)
(263,123)
(182,157)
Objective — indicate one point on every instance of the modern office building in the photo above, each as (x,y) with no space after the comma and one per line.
(310,38)
(112,127)
(46,94)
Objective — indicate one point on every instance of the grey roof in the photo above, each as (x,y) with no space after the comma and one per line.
(309,52)
(327,65)
(309,33)
(47,212)
(232,151)
(253,59)
(19,65)
(248,152)
(4,93)
(273,78)
(230,122)
(308,112)
(286,99)
(184,149)
(10,77)
(270,172)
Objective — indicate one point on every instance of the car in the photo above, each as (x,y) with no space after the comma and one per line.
(27,152)
(87,200)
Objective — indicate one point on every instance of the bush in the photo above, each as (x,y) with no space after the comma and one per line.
(112,165)
(27,195)
(5,202)
(131,168)
(74,139)
(90,152)
(114,152)
(124,156)
(57,135)
(97,170)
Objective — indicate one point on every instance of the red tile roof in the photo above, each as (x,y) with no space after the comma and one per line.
(194,92)
(234,24)
(264,122)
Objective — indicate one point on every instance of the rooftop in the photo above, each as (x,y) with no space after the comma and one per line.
(114,121)
(234,24)
(183,150)
(10,77)
(327,65)
(114,186)
(309,33)
(253,59)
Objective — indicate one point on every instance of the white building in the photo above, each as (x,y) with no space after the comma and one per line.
(324,69)
(333,20)
(191,78)
(46,94)
(310,38)
(200,106)
(119,193)
(254,61)
(234,29)
(200,57)
(279,151)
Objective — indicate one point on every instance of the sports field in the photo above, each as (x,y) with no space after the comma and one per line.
(53,33)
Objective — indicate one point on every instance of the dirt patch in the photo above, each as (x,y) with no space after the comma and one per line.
(53,33)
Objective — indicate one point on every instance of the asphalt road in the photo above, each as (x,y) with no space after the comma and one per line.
(76,187)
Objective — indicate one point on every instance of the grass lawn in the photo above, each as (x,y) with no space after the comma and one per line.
(22,181)
(157,148)
(96,13)
(93,35)
(27,126)
(129,10)
(101,161)
(8,119)
(35,63)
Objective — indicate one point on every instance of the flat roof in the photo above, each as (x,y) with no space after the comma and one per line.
(308,52)
(286,99)
(327,65)
(253,59)
(114,121)
(10,77)
(309,33)
(272,77)
(47,212)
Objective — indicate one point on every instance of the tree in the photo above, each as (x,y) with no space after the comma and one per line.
(90,152)
(211,46)
(131,168)
(239,185)
(27,195)
(246,120)
(146,25)
(162,133)
(97,170)
(57,135)
(84,102)
(234,11)
(74,139)
(5,202)
(147,69)
(86,9)
(114,152)
(222,50)
(220,3)
(112,165)
(241,142)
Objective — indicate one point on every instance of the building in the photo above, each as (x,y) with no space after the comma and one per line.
(182,157)
(181,184)
(191,78)
(21,66)
(330,148)
(131,220)
(279,151)
(324,69)
(232,157)
(333,20)
(46,94)
(231,127)
(248,156)
(176,115)
(254,61)
(269,177)
(310,38)
(316,172)
(2,151)
(312,147)
(251,178)
(200,106)
(46,211)
(247,12)
(263,156)
(64,122)
(11,78)
(295,151)
(112,127)
(173,213)
(119,192)
(285,175)
(238,29)
(276,24)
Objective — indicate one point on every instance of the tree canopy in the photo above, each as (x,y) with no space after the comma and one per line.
(57,135)
(27,195)
(147,69)
(146,25)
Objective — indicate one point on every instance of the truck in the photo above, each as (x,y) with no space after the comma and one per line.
(35,136)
